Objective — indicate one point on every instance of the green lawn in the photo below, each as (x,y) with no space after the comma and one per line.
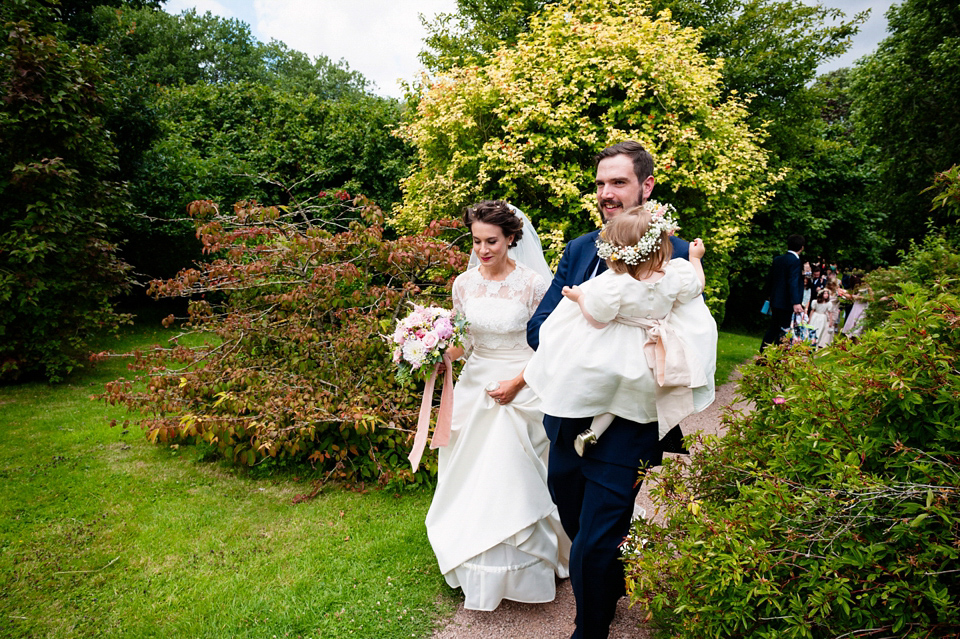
(104,534)
(734,349)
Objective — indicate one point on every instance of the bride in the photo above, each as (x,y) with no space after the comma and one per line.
(492,523)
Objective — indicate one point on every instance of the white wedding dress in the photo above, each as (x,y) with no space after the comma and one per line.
(492,523)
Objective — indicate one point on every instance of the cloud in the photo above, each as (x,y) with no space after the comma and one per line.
(379,38)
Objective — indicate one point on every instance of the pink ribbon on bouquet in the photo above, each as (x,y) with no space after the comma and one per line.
(441,434)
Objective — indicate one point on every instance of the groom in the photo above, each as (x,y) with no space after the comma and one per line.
(595,494)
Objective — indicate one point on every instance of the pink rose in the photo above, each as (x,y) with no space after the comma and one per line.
(430,340)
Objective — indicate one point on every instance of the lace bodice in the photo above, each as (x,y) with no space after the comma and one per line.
(498,311)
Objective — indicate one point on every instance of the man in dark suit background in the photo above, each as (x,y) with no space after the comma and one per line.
(784,290)
(595,494)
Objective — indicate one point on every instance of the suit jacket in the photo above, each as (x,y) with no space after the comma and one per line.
(785,281)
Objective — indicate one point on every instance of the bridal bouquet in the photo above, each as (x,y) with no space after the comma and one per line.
(420,338)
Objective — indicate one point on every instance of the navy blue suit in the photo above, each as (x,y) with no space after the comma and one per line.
(595,493)
(784,289)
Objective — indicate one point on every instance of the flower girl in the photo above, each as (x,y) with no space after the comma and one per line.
(665,357)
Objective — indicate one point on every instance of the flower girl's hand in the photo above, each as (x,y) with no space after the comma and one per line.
(697,249)
(572,293)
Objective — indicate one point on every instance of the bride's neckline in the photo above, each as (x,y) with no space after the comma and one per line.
(516,267)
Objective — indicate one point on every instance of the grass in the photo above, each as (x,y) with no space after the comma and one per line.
(734,349)
(103,534)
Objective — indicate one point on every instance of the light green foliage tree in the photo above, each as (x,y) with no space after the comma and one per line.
(58,266)
(771,49)
(526,125)
(905,103)
(770,52)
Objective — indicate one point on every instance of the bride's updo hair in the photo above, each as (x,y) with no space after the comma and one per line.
(495,212)
(626,230)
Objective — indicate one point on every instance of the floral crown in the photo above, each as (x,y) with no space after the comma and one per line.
(662,220)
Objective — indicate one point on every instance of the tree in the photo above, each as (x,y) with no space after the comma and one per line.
(526,125)
(211,113)
(905,97)
(824,197)
(250,141)
(58,267)
(477,29)
(770,50)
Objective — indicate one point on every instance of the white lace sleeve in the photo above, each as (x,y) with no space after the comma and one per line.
(537,288)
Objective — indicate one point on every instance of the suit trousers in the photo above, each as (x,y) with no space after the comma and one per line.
(780,319)
(595,499)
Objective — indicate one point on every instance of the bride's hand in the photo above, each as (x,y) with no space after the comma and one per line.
(507,390)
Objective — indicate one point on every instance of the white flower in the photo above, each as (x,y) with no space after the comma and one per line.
(414,352)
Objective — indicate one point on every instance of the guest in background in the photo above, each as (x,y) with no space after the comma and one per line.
(784,290)
(832,310)
(854,323)
(817,281)
(818,314)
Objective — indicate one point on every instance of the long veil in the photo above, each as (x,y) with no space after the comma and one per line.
(528,250)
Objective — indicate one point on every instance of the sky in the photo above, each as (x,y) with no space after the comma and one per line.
(381,38)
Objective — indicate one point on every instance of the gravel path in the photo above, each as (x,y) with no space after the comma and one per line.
(554,620)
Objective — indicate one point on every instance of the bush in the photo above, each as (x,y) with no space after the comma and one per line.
(934,261)
(829,510)
(296,299)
